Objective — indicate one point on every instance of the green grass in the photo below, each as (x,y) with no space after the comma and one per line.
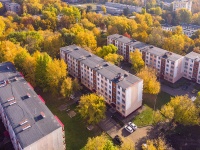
(145,117)
(161,99)
(76,133)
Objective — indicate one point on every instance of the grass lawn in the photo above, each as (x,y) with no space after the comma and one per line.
(161,99)
(76,133)
(145,117)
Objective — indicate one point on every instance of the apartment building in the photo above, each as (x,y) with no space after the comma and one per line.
(180,4)
(120,89)
(14,7)
(192,67)
(188,29)
(167,64)
(31,125)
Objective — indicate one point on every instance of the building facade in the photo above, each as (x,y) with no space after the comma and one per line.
(179,4)
(120,89)
(30,124)
(188,29)
(14,7)
(169,66)
(192,67)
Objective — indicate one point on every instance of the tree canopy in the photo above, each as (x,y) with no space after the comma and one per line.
(151,85)
(92,107)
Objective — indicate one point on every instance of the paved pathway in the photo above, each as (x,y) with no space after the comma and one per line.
(179,91)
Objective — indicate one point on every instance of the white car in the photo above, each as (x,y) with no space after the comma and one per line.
(128,128)
(132,125)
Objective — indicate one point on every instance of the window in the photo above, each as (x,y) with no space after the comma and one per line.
(118,92)
(118,97)
(123,101)
(123,90)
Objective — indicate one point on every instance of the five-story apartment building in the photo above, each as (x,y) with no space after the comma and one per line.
(120,89)
(167,64)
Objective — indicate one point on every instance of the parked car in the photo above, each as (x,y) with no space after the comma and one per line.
(194,91)
(72,96)
(128,128)
(132,125)
(118,140)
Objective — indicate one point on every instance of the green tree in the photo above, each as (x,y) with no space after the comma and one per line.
(20,60)
(184,15)
(151,85)
(66,87)
(136,60)
(107,50)
(56,73)
(92,107)
(76,86)
(101,142)
(72,12)
(113,58)
(197,101)
(42,61)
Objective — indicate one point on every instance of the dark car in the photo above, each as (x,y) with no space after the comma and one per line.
(118,140)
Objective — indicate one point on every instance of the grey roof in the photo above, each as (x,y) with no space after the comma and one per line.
(104,68)
(29,108)
(146,47)
(194,56)
(120,38)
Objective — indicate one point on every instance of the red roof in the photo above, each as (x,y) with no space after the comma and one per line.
(59,121)
(41,99)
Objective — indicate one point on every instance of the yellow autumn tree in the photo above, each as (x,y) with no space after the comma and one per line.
(181,110)
(151,85)
(56,72)
(66,87)
(155,144)
(92,107)
(136,60)
(113,58)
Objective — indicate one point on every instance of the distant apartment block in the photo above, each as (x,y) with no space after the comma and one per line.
(179,4)
(188,29)
(117,8)
(192,67)
(31,125)
(14,7)
(167,64)
(120,89)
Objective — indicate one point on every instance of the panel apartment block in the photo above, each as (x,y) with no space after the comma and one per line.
(120,89)
(169,66)
(192,67)
(30,124)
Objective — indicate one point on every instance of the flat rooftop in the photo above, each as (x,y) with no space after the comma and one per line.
(193,55)
(104,68)
(146,47)
(28,108)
